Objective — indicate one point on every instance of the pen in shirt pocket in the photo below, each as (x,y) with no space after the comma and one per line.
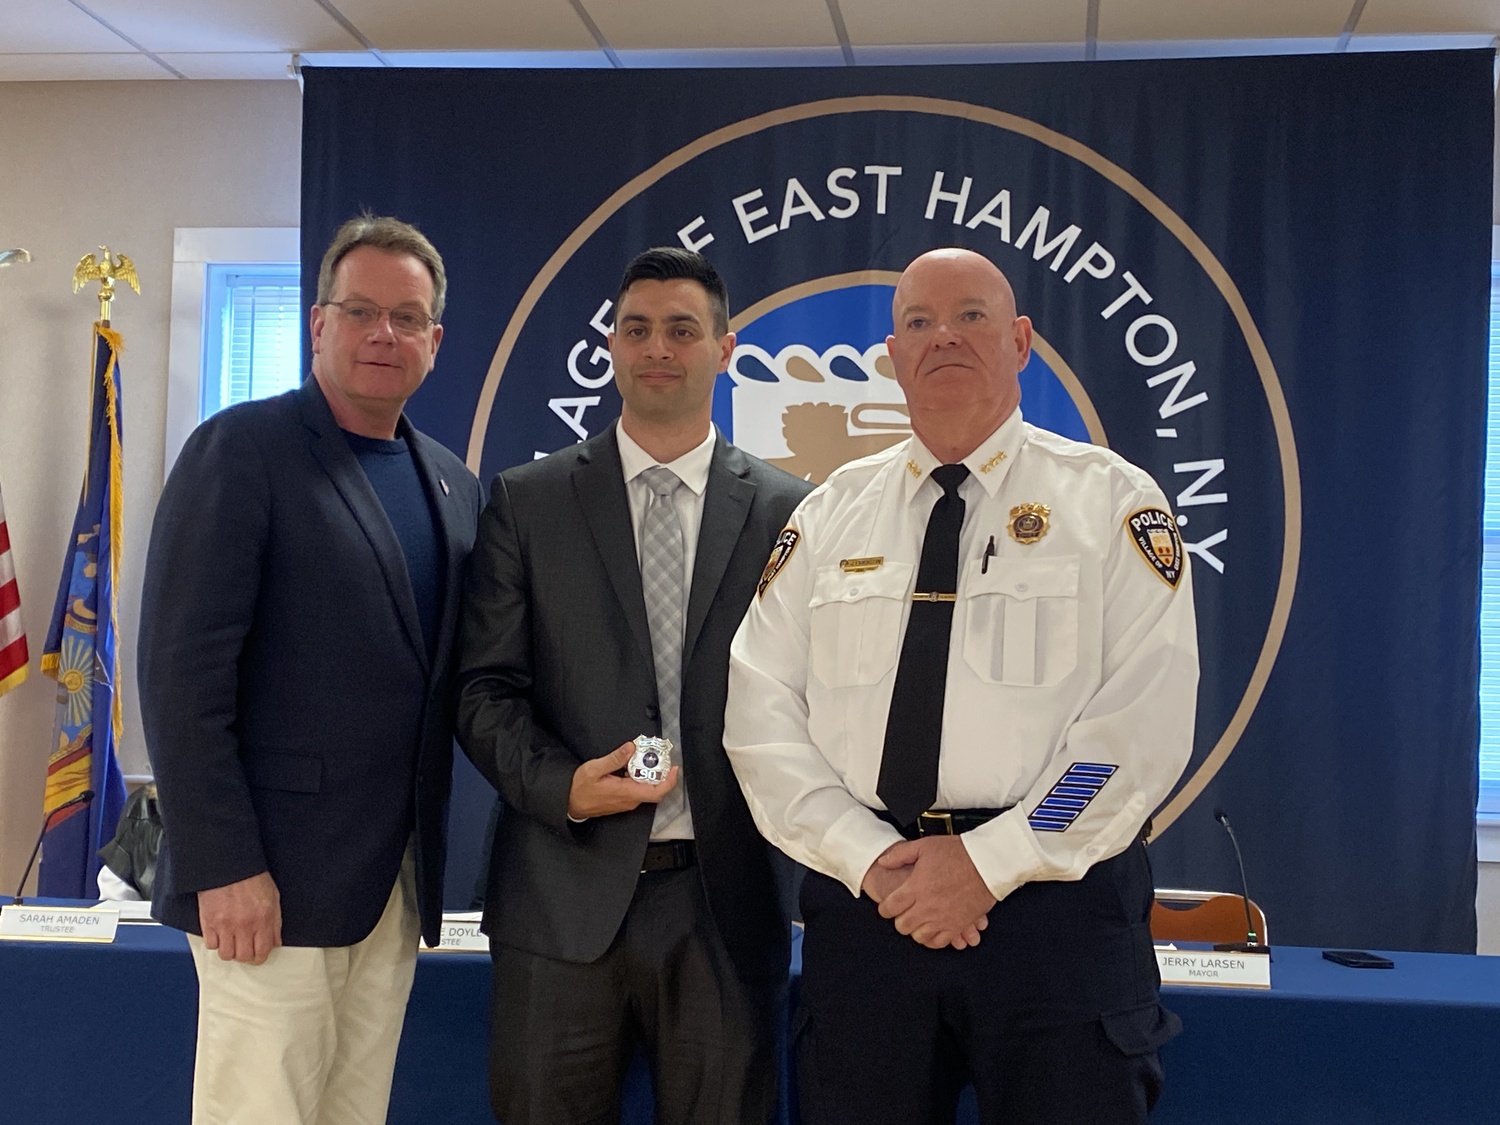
(989,553)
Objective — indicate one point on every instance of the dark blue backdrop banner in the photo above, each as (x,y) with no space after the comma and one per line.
(1264,280)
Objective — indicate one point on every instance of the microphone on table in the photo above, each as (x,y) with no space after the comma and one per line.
(82,798)
(1252,944)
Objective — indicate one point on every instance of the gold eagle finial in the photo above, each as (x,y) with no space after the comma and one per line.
(114,267)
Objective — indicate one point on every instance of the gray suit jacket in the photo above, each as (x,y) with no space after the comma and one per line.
(555,667)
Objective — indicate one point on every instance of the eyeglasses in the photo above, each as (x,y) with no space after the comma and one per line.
(366,314)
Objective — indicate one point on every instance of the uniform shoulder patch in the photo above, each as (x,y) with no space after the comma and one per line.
(1155,535)
(781,554)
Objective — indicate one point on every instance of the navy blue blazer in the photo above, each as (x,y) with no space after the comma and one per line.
(293,718)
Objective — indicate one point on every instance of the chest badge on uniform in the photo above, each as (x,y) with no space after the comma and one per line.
(781,554)
(860,566)
(1028,522)
(1155,535)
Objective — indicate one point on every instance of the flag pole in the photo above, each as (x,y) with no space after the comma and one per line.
(82,652)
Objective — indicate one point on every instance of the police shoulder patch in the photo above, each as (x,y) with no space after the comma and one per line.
(1155,535)
(781,554)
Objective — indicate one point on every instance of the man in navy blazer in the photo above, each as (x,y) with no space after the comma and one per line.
(300,601)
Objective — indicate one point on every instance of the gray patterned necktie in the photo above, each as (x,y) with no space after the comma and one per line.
(662,580)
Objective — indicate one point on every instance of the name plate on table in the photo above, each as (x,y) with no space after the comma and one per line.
(460,934)
(58,923)
(1205,966)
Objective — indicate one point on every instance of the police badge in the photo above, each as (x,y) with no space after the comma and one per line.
(651,761)
(1028,522)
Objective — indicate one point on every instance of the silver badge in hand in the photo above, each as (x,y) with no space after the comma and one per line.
(651,761)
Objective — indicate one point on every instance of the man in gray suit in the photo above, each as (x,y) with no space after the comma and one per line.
(606,583)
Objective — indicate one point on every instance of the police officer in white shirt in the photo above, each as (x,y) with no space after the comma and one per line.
(967,680)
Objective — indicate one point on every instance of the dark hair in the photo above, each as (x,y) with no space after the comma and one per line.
(394,237)
(673,263)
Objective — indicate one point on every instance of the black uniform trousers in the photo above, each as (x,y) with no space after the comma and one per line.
(1054,1017)
(563,1035)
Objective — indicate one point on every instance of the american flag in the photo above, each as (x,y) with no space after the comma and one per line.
(13,655)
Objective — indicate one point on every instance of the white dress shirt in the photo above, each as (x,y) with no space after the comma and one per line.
(692,469)
(1071,648)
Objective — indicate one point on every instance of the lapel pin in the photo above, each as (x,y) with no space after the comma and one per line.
(443,485)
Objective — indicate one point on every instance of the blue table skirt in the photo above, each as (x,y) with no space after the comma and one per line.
(104,1033)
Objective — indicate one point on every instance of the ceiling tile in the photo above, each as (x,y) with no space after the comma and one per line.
(1145,20)
(55,26)
(1415,17)
(41,67)
(887,22)
(211,26)
(658,24)
(238,64)
(469,25)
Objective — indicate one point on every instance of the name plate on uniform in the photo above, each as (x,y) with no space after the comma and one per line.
(1205,966)
(58,923)
(461,935)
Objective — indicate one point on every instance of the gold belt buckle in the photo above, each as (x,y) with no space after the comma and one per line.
(943,818)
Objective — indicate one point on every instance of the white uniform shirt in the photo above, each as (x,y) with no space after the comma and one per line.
(1073,648)
(692,468)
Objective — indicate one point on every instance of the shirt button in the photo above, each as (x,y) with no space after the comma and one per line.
(853,591)
(1021,587)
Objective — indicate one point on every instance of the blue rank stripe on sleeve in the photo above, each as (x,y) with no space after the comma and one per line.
(1067,799)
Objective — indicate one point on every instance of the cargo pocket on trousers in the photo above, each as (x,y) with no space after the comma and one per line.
(1138,1031)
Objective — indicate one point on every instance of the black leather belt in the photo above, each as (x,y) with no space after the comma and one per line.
(669,855)
(937,822)
(941,822)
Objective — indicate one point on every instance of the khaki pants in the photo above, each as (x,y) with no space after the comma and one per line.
(311,1035)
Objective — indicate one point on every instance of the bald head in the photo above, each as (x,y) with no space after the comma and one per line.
(980,274)
(958,348)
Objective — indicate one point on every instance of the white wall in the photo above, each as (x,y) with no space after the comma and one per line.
(121,163)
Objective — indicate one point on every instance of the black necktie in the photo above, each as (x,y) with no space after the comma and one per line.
(914,729)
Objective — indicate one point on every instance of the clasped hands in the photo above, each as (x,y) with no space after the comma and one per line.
(932,890)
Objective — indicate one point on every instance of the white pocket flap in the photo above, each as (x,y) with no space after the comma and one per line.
(889,580)
(1025,578)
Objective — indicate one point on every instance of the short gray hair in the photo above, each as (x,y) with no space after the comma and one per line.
(384,232)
